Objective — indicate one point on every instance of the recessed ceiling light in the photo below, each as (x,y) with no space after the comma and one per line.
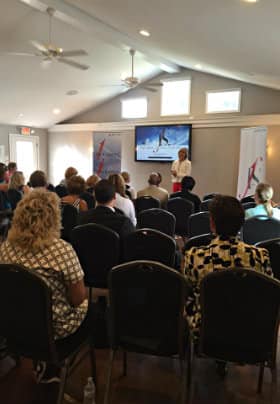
(198,66)
(144,32)
(56,111)
(72,92)
(251,1)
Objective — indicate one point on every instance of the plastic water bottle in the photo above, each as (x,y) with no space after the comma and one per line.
(89,392)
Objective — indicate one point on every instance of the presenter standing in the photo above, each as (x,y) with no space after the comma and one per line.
(180,168)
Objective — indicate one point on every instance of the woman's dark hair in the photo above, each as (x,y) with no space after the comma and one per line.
(38,179)
(187,183)
(227,214)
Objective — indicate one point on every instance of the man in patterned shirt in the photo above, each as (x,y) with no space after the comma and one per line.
(225,251)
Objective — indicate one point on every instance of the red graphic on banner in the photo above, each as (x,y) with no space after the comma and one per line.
(100,167)
(100,149)
(252,175)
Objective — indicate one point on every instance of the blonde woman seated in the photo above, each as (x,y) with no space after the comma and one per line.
(122,201)
(263,197)
(16,188)
(34,242)
(76,185)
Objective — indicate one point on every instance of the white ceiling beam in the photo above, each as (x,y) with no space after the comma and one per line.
(87,23)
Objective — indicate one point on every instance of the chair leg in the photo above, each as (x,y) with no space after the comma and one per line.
(260,381)
(109,375)
(63,376)
(93,364)
(124,363)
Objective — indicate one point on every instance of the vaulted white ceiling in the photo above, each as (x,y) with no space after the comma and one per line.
(226,37)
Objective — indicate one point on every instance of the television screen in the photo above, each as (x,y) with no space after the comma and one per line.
(161,142)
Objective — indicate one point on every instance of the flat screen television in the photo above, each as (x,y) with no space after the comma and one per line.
(160,143)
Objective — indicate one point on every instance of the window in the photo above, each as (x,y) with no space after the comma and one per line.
(223,101)
(175,97)
(134,108)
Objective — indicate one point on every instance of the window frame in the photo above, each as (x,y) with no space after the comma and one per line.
(181,78)
(131,99)
(227,90)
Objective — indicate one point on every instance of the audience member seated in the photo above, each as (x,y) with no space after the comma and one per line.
(129,190)
(224,252)
(69,172)
(16,188)
(11,169)
(122,201)
(3,183)
(38,179)
(263,196)
(76,185)
(105,212)
(33,241)
(91,182)
(154,190)
(188,184)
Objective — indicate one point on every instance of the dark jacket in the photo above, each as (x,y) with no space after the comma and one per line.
(105,216)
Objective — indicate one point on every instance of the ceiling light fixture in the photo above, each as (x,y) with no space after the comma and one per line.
(56,111)
(144,32)
(198,66)
(251,1)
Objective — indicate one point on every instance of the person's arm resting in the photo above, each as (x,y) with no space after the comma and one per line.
(77,293)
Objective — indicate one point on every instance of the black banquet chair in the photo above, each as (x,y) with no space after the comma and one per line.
(157,219)
(204,207)
(146,314)
(248,205)
(199,223)
(199,241)
(181,209)
(149,244)
(26,323)
(237,325)
(273,247)
(69,219)
(260,228)
(144,203)
(98,249)
(210,196)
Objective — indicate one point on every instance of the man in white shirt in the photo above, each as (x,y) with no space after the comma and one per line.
(154,190)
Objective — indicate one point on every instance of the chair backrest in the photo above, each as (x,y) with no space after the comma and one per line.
(209,196)
(181,209)
(260,228)
(237,325)
(248,205)
(26,312)
(14,196)
(145,202)
(273,247)
(69,219)
(247,199)
(204,207)
(89,198)
(158,219)
(146,305)
(98,249)
(149,244)
(199,223)
(198,241)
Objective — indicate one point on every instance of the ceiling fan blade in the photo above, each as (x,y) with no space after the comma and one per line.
(40,46)
(152,90)
(72,63)
(156,84)
(78,52)
(18,54)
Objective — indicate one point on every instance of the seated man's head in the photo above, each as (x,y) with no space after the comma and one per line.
(105,193)
(187,183)
(38,179)
(226,215)
(154,179)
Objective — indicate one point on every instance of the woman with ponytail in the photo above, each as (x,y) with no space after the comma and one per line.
(264,207)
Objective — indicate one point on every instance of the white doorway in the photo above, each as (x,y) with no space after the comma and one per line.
(24,150)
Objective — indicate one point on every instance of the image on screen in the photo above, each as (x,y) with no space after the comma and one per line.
(161,142)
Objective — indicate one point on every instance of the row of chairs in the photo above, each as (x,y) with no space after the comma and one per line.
(237,326)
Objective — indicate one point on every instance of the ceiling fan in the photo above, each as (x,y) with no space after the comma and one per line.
(132,81)
(50,52)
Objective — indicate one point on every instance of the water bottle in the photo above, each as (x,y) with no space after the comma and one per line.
(89,392)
